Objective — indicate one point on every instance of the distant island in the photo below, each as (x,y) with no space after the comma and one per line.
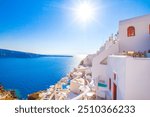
(4,53)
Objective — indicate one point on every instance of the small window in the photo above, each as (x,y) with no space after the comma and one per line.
(115,76)
(131,31)
(109,84)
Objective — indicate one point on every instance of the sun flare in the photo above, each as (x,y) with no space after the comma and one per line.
(84,12)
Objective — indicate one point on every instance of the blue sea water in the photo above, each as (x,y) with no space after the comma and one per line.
(28,75)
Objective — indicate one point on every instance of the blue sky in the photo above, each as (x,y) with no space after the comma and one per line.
(49,26)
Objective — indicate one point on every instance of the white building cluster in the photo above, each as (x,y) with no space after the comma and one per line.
(121,68)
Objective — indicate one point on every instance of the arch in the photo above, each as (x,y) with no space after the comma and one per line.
(131,31)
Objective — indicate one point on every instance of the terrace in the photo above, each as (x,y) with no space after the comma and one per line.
(145,54)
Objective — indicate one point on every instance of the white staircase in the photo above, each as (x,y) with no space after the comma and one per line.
(98,68)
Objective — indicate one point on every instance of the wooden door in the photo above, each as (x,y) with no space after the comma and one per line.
(114,91)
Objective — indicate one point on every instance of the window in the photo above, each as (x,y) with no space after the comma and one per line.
(109,84)
(131,31)
(115,76)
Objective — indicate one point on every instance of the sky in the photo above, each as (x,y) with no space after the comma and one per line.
(58,27)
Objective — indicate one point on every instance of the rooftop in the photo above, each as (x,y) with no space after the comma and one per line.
(135,18)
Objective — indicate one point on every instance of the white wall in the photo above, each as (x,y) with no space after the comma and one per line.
(133,76)
(138,78)
(117,65)
(99,70)
(141,40)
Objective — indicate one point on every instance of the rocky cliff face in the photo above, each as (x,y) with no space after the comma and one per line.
(7,94)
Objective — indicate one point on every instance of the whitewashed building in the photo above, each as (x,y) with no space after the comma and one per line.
(128,77)
(76,84)
(134,34)
(99,62)
(125,77)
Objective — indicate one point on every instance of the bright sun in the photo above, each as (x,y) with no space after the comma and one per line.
(84,12)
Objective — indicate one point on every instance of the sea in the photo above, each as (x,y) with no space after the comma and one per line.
(29,75)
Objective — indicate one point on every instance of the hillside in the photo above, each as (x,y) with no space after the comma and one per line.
(4,53)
